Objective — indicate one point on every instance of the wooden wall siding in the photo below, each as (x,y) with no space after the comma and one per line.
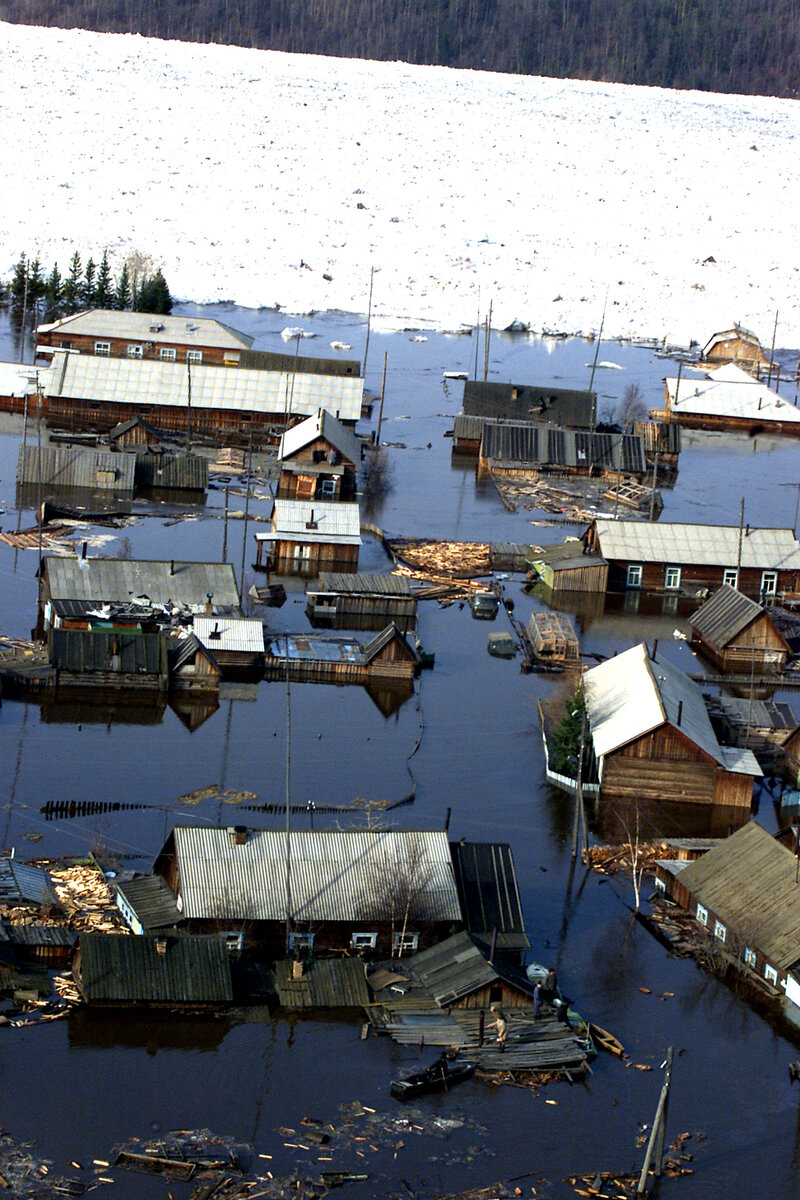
(150,350)
(314,671)
(329,937)
(293,485)
(700,576)
(135,437)
(109,681)
(221,426)
(736,350)
(665,743)
(365,612)
(590,578)
(791,760)
(634,779)
(733,790)
(323,556)
(494,993)
(728,424)
(741,659)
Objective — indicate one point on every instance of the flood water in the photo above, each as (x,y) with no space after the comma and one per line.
(81,1085)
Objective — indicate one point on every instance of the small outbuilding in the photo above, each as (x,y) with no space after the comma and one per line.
(308,536)
(177,971)
(736,345)
(554,640)
(738,635)
(236,643)
(318,459)
(343,601)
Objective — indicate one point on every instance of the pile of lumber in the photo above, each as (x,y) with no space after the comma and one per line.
(86,899)
(610,860)
(439,561)
(611,1184)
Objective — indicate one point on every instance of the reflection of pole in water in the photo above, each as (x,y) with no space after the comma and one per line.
(288,807)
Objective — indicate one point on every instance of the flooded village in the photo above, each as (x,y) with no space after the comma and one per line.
(400,787)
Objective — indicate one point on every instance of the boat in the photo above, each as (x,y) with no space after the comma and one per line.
(605,1040)
(445,1073)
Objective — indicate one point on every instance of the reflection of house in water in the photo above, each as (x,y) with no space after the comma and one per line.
(310,536)
(78,708)
(655,745)
(342,601)
(313,658)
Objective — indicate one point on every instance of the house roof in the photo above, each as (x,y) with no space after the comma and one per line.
(381,640)
(314,521)
(630,695)
(336,875)
(117,968)
(182,650)
(361,585)
(706,545)
(135,381)
(729,392)
(456,967)
(749,882)
(20,882)
(727,335)
(725,615)
(188,472)
(551,446)
(130,652)
(19,380)
(529,402)
(271,360)
(151,900)
(325,983)
(124,581)
(75,467)
(188,331)
(320,425)
(235,633)
(488,891)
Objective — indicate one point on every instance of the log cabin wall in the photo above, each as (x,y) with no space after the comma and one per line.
(118,348)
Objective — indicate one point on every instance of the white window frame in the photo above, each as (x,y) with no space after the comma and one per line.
(771,975)
(769,583)
(672,579)
(234,940)
(633,577)
(301,555)
(730,576)
(750,957)
(720,932)
(702,914)
(135,351)
(194,357)
(103,349)
(363,941)
(405,941)
(301,941)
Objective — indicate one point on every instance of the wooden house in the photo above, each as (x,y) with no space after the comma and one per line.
(727,399)
(566,407)
(458,974)
(318,459)
(763,726)
(309,536)
(156,473)
(341,601)
(744,893)
(135,434)
(141,336)
(236,644)
(193,668)
(738,635)
(547,449)
(104,659)
(385,891)
(387,657)
(791,758)
(682,558)
(45,944)
(567,567)
(554,640)
(660,438)
(50,470)
(737,345)
(653,739)
(160,970)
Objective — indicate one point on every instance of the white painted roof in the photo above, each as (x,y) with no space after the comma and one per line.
(705,545)
(729,392)
(189,331)
(17,379)
(332,522)
(235,633)
(135,381)
(321,424)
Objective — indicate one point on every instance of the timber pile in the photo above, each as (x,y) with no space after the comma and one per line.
(613,1185)
(576,504)
(611,860)
(67,989)
(441,561)
(86,899)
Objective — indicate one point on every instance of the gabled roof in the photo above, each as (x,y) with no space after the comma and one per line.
(149,897)
(336,875)
(322,424)
(749,882)
(630,695)
(230,633)
(314,521)
(183,650)
(456,968)
(82,652)
(20,882)
(123,581)
(118,968)
(529,402)
(727,335)
(703,545)
(725,615)
(325,983)
(361,585)
(729,392)
(381,640)
(489,895)
(189,331)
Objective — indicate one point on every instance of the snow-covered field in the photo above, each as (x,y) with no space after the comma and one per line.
(252,176)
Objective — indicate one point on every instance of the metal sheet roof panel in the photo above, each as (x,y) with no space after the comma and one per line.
(238,634)
(707,545)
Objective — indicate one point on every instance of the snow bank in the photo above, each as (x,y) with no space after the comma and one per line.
(253,176)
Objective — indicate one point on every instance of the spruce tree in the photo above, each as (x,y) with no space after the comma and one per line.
(36,281)
(123,298)
(153,295)
(53,293)
(19,283)
(89,285)
(104,287)
(72,285)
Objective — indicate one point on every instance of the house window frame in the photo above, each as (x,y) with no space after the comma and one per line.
(234,940)
(303,940)
(750,958)
(102,349)
(168,354)
(701,915)
(194,358)
(771,974)
(730,577)
(403,942)
(633,576)
(769,583)
(672,579)
(135,350)
(720,932)
(363,941)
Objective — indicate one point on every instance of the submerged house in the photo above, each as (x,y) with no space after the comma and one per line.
(530,402)
(111,333)
(566,567)
(457,974)
(236,643)
(737,345)
(737,634)
(744,893)
(318,459)
(727,399)
(653,739)
(314,658)
(308,536)
(342,601)
(679,557)
(547,449)
(108,659)
(390,891)
(72,468)
(178,971)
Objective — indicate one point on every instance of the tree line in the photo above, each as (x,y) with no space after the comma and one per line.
(731,46)
(138,287)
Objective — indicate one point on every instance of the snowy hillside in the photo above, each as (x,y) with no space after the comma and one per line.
(252,176)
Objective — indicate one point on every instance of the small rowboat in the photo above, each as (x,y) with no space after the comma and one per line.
(439,1077)
(605,1040)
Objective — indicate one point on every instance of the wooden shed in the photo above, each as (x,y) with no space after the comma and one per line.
(567,567)
(342,601)
(318,459)
(737,345)
(319,659)
(737,634)
(554,639)
(133,435)
(236,644)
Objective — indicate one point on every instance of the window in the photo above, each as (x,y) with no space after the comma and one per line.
(750,958)
(301,941)
(702,914)
(364,941)
(719,931)
(168,354)
(634,576)
(769,583)
(731,576)
(672,579)
(406,941)
(233,942)
(660,885)
(135,351)
(194,356)
(103,348)
(770,974)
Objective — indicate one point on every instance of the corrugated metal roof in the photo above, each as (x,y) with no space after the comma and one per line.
(19,380)
(72,467)
(456,967)
(336,875)
(189,331)
(230,633)
(487,888)
(558,406)
(41,935)
(193,970)
(729,392)
(468,426)
(188,472)
(108,650)
(121,581)
(361,585)
(724,615)
(325,983)
(757,714)
(270,360)
(702,545)
(322,424)
(551,446)
(20,882)
(315,521)
(740,761)
(748,881)
(629,695)
(151,900)
(133,382)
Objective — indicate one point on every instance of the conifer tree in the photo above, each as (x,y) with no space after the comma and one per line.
(72,285)
(53,293)
(19,282)
(36,281)
(123,298)
(89,285)
(153,295)
(104,287)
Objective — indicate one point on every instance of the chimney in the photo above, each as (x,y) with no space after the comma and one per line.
(680,711)
(239,835)
(84,548)
(655,650)
(172,566)
(216,633)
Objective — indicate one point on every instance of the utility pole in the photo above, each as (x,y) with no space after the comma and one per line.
(189,408)
(383,394)
(369,320)
(653,492)
(477,336)
(655,1147)
(486,343)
